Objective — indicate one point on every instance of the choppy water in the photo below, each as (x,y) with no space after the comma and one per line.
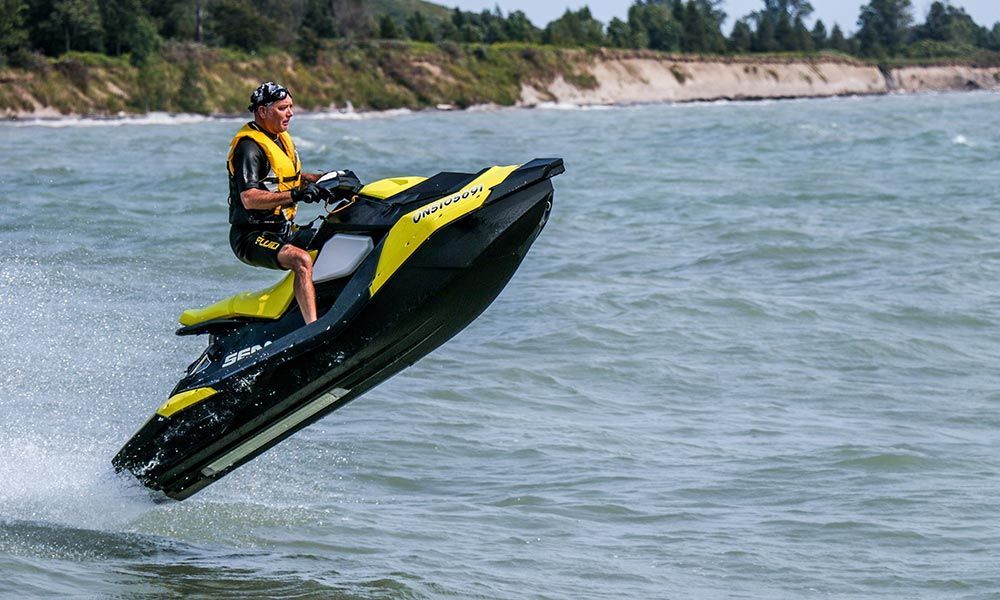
(753,355)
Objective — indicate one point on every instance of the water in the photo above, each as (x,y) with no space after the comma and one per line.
(753,355)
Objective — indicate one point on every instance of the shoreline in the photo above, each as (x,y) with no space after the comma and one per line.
(612,79)
(174,118)
(165,118)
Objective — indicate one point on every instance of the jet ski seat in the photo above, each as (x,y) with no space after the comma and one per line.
(269,303)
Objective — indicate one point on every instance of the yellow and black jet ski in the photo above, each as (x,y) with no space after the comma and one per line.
(405,267)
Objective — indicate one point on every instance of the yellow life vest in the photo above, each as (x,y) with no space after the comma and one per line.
(284,162)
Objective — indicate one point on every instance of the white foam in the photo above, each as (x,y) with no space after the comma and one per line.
(486,107)
(162,118)
(122,119)
(59,395)
(574,107)
(352,115)
(53,479)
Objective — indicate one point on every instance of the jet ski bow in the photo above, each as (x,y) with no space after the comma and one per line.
(399,271)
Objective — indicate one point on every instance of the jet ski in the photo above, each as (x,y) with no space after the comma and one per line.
(401,265)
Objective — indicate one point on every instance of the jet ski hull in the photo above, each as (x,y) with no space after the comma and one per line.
(360,342)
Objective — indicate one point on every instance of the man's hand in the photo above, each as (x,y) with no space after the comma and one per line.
(309,192)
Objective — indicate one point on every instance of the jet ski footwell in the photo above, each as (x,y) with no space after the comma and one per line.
(374,323)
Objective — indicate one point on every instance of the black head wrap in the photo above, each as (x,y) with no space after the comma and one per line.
(267,93)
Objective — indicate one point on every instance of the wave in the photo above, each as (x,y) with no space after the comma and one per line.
(165,118)
(119,120)
(572,106)
(352,115)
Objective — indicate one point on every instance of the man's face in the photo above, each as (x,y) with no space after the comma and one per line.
(275,117)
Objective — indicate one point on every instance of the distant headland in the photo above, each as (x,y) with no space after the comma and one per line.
(115,58)
(382,76)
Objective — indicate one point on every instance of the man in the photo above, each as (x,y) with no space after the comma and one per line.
(265,184)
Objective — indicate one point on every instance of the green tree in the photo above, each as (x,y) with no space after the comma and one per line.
(118,18)
(712,9)
(702,21)
(387,29)
(143,41)
(308,46)
(495,26)
(883,26)
(520,29)
(784,33)
(191,97)
(652,25)
(239,24)
(495,33)
(128,28)
(446,31)
(319,19)
(285,18)
(40,34)
(619,34)
(693,27)
(180,19)
(77,23)
(776,8)
(353,17)
(936,25)
(947,23)
(802,38)
(418,28)
(818,34)
(837,40)
(13,34)
(992,41)
(469,26)
(470,34)
(741,37)
(764,38)
(154,90)
(776,27)
(794,8)
(578,28)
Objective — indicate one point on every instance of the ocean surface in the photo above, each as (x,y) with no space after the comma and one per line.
(754,354)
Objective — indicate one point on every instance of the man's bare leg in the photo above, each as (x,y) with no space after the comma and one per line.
(299,261)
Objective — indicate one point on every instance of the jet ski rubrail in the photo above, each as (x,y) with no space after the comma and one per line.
(401,266)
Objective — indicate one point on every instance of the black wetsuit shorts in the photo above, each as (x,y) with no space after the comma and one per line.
(256,247)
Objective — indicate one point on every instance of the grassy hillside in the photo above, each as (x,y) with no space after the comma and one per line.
(367,75)
(372,75)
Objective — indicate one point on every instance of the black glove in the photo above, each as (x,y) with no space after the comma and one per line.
(308,192)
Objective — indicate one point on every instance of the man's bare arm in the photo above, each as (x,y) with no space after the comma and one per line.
(257,199)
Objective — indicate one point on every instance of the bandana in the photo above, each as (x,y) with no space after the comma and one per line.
(267,93)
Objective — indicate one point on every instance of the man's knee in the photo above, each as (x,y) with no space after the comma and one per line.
(295,259)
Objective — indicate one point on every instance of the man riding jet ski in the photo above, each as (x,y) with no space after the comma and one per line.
(405,267)
(266,183)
